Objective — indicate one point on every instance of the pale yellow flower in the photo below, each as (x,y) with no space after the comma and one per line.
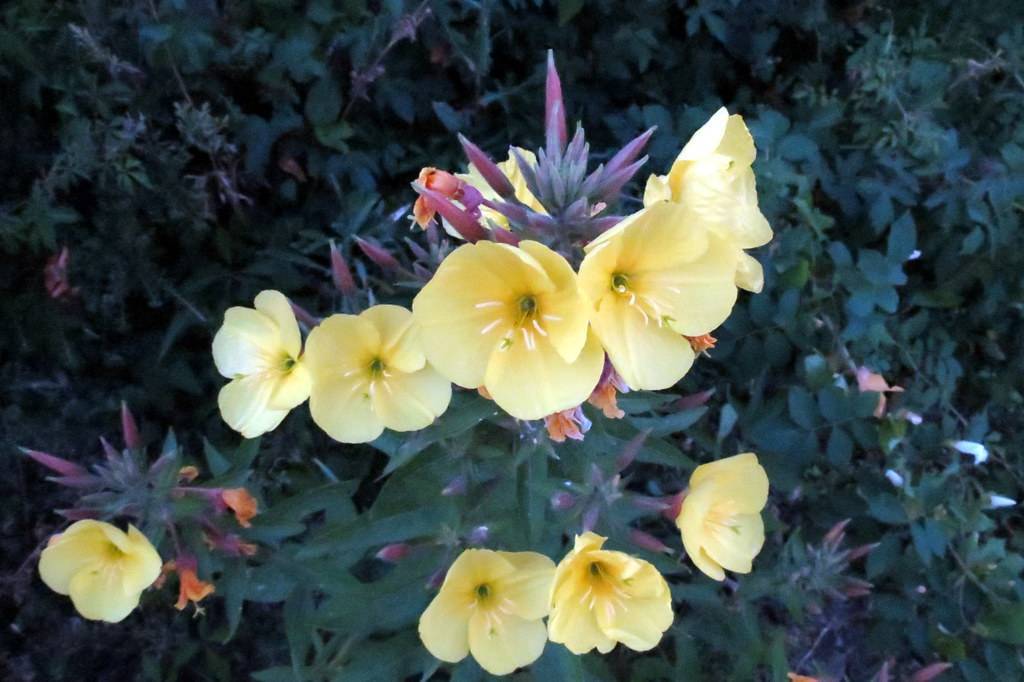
(510,319)
(712,177)
(259,350)
(492,605)
(510,167)
(653,278)
(720,518)
(102,568)
(369,374)
(600,597)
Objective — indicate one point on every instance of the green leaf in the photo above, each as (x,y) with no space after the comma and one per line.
(567,9)
(1004,623)
(670,423)
(323,102)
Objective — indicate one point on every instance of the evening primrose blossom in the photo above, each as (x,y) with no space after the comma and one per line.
(712,177)
(720,517)
(369,373)
(601,597)
(650,280)
(102,568)
(259,349)
(491,605)
(510,319)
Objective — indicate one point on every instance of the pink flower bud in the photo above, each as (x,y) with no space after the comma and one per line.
(655,504)
(648,542)
(554,105)
(590,517)
(675,503)
(340,273)
(109,450)
(493,175)
(393,553)
(54,463)
(129,429)
(631,450)
(464,222)
(628,154)
(304,316)
(561,500)
(78,514)
(688,402)
(436,578)
(377,253)
(83,481)
(478,535)
(456,486)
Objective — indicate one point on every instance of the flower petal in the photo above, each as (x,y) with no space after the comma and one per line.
(500,645)
(291,388)
(734,548)
(245,405)
(78,548)
(529,587)
(399,346)
(408,402)
(574,624)
(741,478)
(444,626)
(248,342)
(275,305)
(563,312)
(749,273)
(641,623)
(343,408)
(531,384)
(340,344)
(706,140)
(99,594)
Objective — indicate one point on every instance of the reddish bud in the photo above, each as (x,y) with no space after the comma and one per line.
(631,450)
(493,175)
(436,578)
(655,504)
(625,156)
(590,517)
(78,514)
(561,500)
(688,402)
(554,105)
(109,450)
(304,316)
(456,486)
(393,553)
(648,542)
(836,533)
(84,481)
(862,551)
(377,253)
(54,463)
(478,535)
(129,428)
(464,222)
(340,273)
(675,503)
(930,672)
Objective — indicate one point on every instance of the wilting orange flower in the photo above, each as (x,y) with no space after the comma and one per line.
(241,503)
(605,396)
(439,181)
(869,381)
(571,423)
(188,474)
(230,544)
(701,343)
(190,587)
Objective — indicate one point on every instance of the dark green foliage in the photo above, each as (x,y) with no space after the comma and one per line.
(190,153)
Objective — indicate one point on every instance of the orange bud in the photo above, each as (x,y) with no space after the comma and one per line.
(567,424)
(241,503)
(701,343)
(187,474)
(190,587)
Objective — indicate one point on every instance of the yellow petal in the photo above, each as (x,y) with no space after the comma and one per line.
(79,547)
(245,405)
(408,402)
(646,356)
(339,344)
(707,138)
(291,388)
(741,477)
(444,626)
(734,548)
(529,586)
(275,305)
(476,567)
(690,521)
(737,143)
(248,342)
(573,624)
(531,384)
(399,346)
(749,273)
(502,644)
(640,623)
(567,333)
(100,595)
(343,408)
(657,189)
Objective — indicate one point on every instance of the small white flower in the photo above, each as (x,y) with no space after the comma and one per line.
(998,501)
(912,417)
(976,450)
(894,478)
(914,255)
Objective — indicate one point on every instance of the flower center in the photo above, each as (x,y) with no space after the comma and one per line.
(620,283)
(645,301)
(377,368)
(483,591)
(518,320)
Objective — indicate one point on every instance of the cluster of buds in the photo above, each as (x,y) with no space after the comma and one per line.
(152,495)
(550,195)
(824,570)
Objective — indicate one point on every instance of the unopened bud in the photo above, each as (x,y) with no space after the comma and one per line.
(83,481)
(109,450)
(646,502)
(129,428)
(393,553)
(456,486)
(78,514)
(436,578)
(478,535)
(378,254)
(590,517)
(340,273)
(54,463)
(675,504)
(304,316)
(561,500)
(648,542)
(863,550)
(631,450)
(835,534)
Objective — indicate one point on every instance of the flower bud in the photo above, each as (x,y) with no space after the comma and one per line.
(554,105)
(340,273)
(377,253)
(54,463)
(393,553)
(649,542)
(976,450)
(129,429)
(478,535)
(456,486)
(561,500)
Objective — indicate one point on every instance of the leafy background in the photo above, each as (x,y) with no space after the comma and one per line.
(190,153)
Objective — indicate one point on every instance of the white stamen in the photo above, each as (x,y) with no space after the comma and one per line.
(552,318)
(540,330)
(491,326)
(487,304)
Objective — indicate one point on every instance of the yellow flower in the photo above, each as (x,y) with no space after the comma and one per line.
(510,319)
(259,350)
(713,178)
(600,597)
(492,604)
(720,518)
(102,568)
(654,277)
(370,374)
(511,170)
